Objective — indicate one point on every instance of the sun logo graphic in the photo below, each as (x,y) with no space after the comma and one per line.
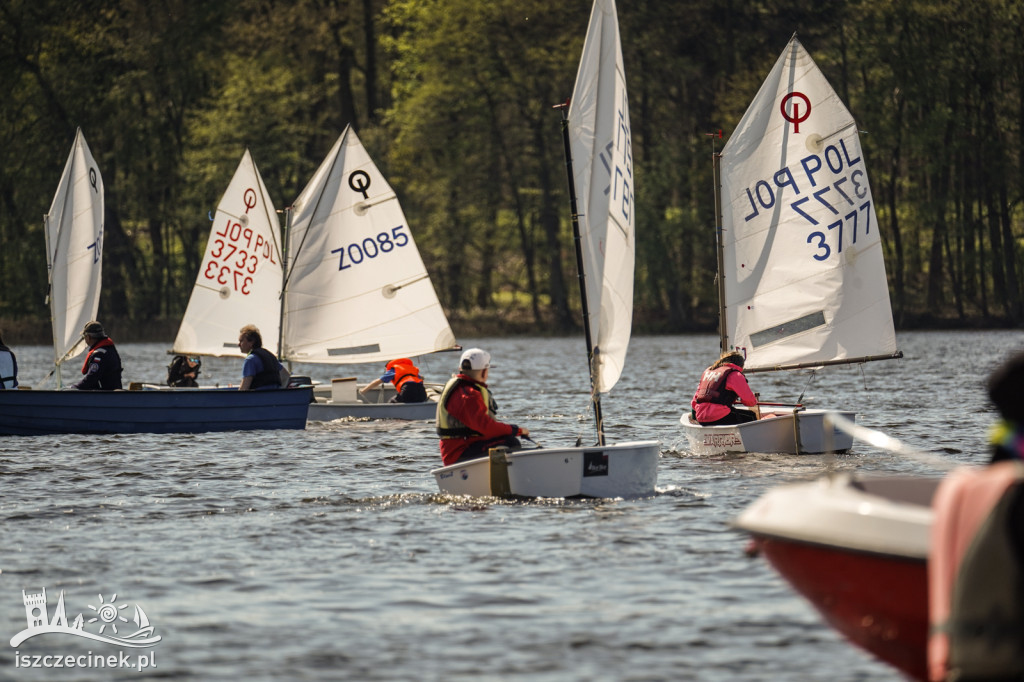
(108,614)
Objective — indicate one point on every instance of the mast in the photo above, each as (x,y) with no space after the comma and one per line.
(595,397)
(49,296)
(716,170)
(284,283)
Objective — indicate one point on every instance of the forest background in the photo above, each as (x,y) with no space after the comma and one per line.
(453,99)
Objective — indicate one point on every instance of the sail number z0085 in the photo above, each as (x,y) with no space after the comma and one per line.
(357,252)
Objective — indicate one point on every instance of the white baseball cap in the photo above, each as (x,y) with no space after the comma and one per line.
(475,359)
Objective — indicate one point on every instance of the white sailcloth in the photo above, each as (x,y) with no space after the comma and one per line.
(239,280)
(356,287)
(804,274)
(74,249)
(602,153)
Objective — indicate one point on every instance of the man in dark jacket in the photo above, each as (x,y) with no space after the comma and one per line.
(102,366)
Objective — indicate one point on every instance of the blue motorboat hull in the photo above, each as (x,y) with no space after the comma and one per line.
(36,413)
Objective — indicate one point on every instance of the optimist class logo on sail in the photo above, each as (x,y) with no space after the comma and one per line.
(830,186)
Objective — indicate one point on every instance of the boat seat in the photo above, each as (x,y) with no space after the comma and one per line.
(344,390)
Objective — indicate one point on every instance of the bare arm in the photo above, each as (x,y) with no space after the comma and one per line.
(246,383)
(372,385)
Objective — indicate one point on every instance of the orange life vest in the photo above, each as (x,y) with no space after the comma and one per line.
(404,371)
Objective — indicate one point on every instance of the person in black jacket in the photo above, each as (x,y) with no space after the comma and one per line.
(102,366)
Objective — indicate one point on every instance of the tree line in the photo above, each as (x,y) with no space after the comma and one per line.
(454,101)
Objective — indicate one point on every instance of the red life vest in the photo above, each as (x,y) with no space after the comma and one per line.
(712,386)
(404,371)
(103,343)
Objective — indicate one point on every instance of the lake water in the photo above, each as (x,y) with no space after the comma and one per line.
(328,554)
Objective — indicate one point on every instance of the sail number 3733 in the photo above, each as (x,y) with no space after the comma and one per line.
(358,252)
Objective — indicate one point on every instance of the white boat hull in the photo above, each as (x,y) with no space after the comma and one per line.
(626,470)
(880,515)
(373,405)
(329,411)
(771,435)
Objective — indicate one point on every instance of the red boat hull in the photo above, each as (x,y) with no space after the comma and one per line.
(878,602)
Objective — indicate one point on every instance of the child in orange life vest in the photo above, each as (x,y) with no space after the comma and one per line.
(721,385)
(465,413)
(406,378)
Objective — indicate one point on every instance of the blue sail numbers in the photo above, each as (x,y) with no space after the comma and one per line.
(832,182)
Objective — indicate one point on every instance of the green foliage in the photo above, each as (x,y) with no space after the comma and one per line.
(453,100)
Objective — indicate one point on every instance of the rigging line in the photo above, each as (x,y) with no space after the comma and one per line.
(293,253)
(74,350)
(800,399)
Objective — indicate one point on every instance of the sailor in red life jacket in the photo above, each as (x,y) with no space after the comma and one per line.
(465,413)
(406,378)
(721,385)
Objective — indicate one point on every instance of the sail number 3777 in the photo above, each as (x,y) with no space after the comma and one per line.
(358,252)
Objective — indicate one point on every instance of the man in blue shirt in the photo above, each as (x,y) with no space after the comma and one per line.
(261,370)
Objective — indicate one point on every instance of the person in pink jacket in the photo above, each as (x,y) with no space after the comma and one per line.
(721,385)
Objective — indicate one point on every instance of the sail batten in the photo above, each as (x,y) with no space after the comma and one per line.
(804,276)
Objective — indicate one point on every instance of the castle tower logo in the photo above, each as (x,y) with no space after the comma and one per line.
(109,615)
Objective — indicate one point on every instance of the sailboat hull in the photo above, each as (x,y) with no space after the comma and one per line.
(374,404)
(857,550)
(35,413)
(627,470)
(329,411)
(800,432)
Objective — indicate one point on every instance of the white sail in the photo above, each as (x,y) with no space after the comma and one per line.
(239,280)
(356,287)
(602,154)
(804,275)
(74,249)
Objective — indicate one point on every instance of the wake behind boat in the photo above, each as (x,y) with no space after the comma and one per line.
(802,279)
(596,132)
